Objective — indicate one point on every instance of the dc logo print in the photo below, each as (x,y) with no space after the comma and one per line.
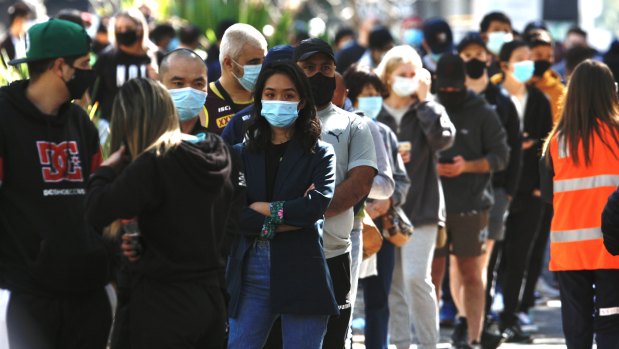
(60,162)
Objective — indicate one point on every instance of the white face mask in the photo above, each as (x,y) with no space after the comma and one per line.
(405,87)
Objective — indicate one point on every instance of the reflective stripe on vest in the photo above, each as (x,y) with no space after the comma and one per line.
(580,194)
(585,183)
(576,235)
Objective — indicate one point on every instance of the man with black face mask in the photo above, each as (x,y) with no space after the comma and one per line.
(473,51)
(54,266)
(544,78)
(355,171)
(480,148)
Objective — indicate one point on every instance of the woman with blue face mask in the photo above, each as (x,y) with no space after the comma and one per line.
(525,210)
(277,268)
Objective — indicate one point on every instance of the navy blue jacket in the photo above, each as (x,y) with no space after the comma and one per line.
(233,132)
(300,280)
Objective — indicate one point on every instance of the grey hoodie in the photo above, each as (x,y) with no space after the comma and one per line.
(427,126)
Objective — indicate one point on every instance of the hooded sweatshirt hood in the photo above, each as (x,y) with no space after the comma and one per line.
(207,162)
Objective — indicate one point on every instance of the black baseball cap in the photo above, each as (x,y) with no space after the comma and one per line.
(450,71)
(472,38)
(438,35)
(310,47)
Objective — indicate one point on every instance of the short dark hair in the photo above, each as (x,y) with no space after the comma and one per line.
(71,15)
(357,77)
(18,10)
(576,55)
(577,31)
(493,17)
(342,33)
(38,68)
(509,48)
(538,37)
(189,34)
(307,126)
(162,31)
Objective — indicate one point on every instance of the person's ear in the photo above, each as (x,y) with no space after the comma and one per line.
(228,64)
(301,105)
(57,67)
(504,66)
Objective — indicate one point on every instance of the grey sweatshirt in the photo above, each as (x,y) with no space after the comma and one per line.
(427,126)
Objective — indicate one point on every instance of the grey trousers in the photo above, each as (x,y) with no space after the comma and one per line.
(412,299)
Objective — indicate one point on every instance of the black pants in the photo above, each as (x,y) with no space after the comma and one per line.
(339,267)
(491,273)
(70,322)
(587,310)
(536,262)
(183,315)
(376,298)
(521,229)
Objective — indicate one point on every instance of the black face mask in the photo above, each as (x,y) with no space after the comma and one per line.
(452,100)
(81,81)
(322,89)
(127,38)
(475,68)
(541,67)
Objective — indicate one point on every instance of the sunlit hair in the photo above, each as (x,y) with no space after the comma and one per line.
(144,118)
(236,37)
(591,102)
(136,17)
(395,57)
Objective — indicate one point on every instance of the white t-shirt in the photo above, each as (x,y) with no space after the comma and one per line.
(352,141)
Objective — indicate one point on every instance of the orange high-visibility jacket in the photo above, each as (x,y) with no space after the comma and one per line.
(580,194)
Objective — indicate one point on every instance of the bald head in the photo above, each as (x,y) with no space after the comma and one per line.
(183,68)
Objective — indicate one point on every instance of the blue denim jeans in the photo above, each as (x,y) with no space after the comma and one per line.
(255,319)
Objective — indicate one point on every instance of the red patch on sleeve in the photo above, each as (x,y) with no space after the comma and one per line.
(97,159)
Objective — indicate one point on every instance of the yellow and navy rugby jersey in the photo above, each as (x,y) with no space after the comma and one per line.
(219,108)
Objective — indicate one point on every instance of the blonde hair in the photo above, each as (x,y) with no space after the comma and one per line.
(144,118)
(395,57)
(137,17)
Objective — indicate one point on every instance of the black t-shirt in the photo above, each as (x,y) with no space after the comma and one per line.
(274,155)
(114,67)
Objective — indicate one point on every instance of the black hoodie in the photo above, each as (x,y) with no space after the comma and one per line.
(46,247)
(479,134)
(182,201)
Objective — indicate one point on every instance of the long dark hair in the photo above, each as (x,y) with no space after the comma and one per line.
(306,127)
(591,100)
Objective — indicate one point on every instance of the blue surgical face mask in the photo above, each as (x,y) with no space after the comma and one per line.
(280,113)
(173,44)
(370,106)
(523,71)
(413,37)
(188,102)
(435,57)
(250,76)
(496,41)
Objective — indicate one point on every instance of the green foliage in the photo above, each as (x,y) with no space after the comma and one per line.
(9,73)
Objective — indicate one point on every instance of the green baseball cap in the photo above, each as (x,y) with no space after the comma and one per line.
(54,38)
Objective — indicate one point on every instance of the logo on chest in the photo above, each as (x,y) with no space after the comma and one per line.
(60,162)
(337,136)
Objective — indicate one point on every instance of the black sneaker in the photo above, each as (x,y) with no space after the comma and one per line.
(460,336)
(491,338)
(515,334)
(474,345)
